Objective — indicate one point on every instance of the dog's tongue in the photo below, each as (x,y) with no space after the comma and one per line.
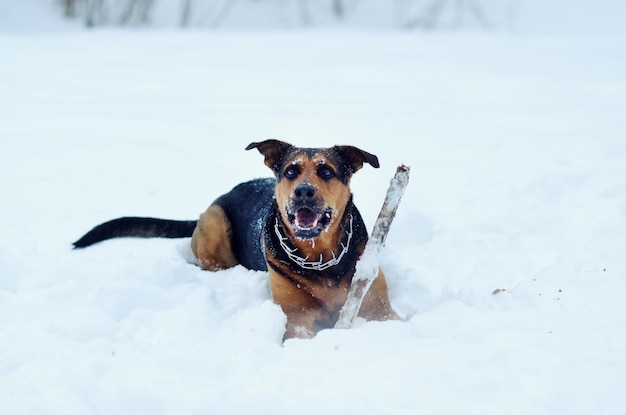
(306,218)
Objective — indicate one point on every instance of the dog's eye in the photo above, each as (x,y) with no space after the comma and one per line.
(292,172)
(325,172)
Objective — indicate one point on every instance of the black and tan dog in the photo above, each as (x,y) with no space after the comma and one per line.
(301,226)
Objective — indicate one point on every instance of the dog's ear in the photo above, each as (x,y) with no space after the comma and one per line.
(273,150)
(353,158)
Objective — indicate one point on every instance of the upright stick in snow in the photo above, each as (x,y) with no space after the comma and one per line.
(367,266)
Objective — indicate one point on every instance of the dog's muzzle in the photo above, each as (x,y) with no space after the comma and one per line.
(305,216)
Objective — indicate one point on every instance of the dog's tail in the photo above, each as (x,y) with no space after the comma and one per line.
(138,227)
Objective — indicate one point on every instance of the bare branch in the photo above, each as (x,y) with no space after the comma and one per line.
(367,267)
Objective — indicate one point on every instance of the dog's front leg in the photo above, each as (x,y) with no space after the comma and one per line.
(299,306)
(376,304)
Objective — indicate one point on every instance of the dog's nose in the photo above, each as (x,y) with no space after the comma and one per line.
(304,192)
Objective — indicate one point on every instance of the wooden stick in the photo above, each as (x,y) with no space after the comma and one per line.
(368,265)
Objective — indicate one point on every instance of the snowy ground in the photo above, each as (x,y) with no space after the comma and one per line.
(517,146)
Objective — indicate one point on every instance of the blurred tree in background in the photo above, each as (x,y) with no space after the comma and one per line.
(408,14)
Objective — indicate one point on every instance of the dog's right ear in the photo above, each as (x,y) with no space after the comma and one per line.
(274,152)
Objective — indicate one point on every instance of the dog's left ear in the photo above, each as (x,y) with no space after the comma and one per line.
(354,158)
(273,150)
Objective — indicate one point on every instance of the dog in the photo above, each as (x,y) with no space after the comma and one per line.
(301,226)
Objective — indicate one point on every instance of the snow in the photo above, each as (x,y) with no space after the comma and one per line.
(517,150)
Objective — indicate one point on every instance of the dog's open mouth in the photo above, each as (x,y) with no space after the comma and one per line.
(308,223)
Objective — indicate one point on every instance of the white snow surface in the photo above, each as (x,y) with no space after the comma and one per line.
(506,257)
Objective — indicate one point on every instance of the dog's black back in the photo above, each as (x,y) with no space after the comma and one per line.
(247,207)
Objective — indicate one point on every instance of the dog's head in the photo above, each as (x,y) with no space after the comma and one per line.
(312,184)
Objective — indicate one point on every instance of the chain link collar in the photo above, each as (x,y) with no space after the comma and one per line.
(313,265)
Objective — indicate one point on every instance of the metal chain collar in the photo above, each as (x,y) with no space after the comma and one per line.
(314,265)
